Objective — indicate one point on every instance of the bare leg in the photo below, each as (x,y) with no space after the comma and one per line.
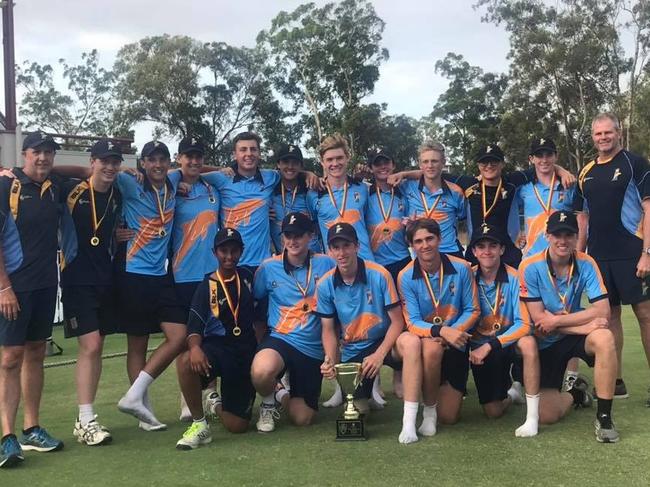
(32,382)
(10,367)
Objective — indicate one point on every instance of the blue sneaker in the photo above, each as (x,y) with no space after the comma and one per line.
(40,440)
(10,452)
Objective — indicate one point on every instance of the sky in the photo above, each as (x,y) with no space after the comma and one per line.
(417,34)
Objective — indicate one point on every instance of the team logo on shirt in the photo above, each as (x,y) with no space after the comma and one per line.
(617,173)
(357,197)
(560,196)
(249,284)
(83,201)
(400,207)
(369,296)
(452,288)
(24,197)
(274,284)
(504,194)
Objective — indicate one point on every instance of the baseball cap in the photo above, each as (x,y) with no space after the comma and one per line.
(153,146)
(342,230)
(227,234)
(39,138)
(298,223)
(375,155)
(490,152)
(103,149)
(191,144)
(289,151)
(486,232)
(562,221)
(542,144)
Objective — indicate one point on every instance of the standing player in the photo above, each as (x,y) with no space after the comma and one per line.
(361,298)
(612,196)
(290,194)
(29,219)
(343,199)
(440,305)
(93,209)
(552,283)
(221,342)
(542,196)
(293,344)
(504,326)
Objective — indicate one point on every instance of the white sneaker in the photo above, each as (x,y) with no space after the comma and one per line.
(196,435)
(155,426)
(92,434)
(211,402)
(266,421)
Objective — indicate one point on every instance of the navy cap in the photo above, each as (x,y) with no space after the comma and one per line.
(289,151)
(490,152)
(376,154)
(342,230)
(562,221)
(542,144)
(153,146)
(37,139)
(298,223)
(103,149)
(191,144)
(487,232)
(227,235)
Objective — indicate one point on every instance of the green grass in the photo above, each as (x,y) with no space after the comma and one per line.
(477,451)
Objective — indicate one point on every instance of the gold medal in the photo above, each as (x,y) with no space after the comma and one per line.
(283,194)
(341,212)
(162,233)
(161,209)
(428,212)
(386,231)
(385,215)
(212,200)
(437,320)
(494,309)
(496,326)
(565,299)
(305,307)
(236,331)
(304,289)
(486,210)
(94,241)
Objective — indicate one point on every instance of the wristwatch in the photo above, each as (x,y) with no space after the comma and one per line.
(646,250)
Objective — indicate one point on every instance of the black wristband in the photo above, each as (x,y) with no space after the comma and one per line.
(435,331)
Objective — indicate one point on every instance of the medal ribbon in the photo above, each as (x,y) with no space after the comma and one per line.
(425,274)
(563,298)
(497,299)
(486,210)
(549,201)
(208,188)
(304,290)
(283,192)
(234,310)
(333,200)
(161,206)
(93,207)
(384,214)
(428,212)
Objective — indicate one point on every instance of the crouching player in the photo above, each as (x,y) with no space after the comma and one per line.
(440,305)
(361,296)
(552,283)
(504,326)
(293,343)
(221,343)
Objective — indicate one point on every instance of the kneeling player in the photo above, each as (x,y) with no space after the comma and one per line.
(504,326)
(440,305)
(293,344)
(552,283)
(361,296)
(221,342)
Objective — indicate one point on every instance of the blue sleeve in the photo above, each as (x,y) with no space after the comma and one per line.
(519,178)
(216,179)
(175,176)
(528,285)
(459,179)
(324,299)
(127,185)
(260,290)
(271,176)
(521,325)
(388,290)
(411,308)
(469,305)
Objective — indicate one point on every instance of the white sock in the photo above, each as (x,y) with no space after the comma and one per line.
(269,400)
(531,425)
(408,433)
(86,414)
(376,396)
(429,420)
(139,387)
(336,399)
(281,394)
(516,393)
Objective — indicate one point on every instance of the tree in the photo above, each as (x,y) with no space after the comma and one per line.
(86,107)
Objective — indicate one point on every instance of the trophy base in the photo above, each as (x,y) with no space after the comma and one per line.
(350,430)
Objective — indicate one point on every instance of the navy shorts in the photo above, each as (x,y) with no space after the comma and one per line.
(364,391)
(554,358)
(35,318)
(87,309)
(232,362)
(455,368)
(623,287)
(304,371)
(492,379)
(144,302)
(185,293)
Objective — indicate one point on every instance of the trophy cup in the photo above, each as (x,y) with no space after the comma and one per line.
(350,425)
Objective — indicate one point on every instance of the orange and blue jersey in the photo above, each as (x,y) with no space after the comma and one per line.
(508,321)
(356,204)
(458,304)
(245,205)
(361,308)
(387,234)
(447,206)
(538,282)
(196,221)
(531,198)
(611,192)
(294,200)
(148,251)
(291,316)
